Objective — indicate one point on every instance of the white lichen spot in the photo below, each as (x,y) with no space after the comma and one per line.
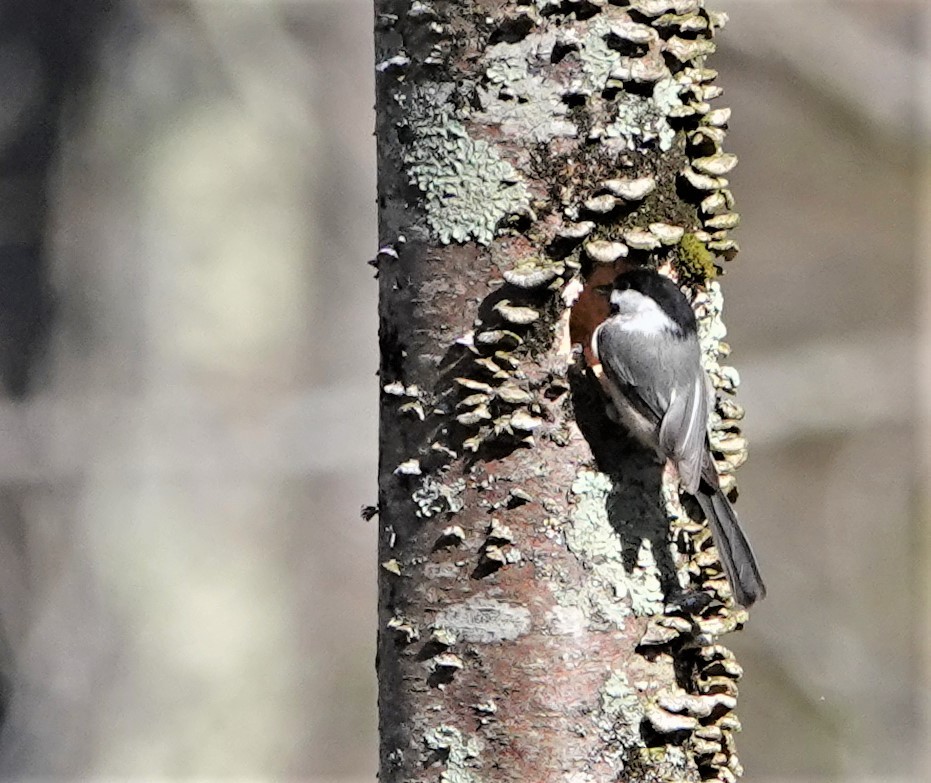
(498,531)
(695,705)
(472,400)
(602,204)
(494,336)
(421,9)
(567,621)
(701,181)
(473,443)
(628,30)
(494,554)
(414,407)
(718,117)
(443,636)
(570,295)
(686,23)
(598,59)
(718,19)
(475,416)
(714,204)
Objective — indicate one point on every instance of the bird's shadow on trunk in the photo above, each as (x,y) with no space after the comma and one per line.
(635,506)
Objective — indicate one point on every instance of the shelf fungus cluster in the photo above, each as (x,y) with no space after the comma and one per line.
(534,149)
(700,718)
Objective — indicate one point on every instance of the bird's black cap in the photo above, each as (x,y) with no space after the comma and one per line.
(664,291)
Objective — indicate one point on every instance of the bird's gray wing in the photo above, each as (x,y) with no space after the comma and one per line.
(631,362)
(683,431)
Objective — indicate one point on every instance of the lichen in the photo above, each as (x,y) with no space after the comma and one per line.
(598,59)
(591,536)
(457,753)
(642,120)
(523,103)
(618,719)
(468,189)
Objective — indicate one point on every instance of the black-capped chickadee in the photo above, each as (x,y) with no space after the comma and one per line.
(648,349)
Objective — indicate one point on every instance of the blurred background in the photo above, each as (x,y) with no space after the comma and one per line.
(187,410)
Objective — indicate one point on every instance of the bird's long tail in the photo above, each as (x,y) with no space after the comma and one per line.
(733,548)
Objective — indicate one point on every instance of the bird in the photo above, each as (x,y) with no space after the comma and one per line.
(650,356)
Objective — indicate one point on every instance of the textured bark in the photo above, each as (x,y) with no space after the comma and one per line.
(539,610)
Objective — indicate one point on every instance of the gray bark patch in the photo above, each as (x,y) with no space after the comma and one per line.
(484,620)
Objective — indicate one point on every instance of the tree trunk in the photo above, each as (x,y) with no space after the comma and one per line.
(528,151)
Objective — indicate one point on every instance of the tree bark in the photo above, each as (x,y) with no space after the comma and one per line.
(538,601)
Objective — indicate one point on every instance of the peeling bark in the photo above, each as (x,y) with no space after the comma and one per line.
(548,609)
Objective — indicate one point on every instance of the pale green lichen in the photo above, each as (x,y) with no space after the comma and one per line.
(468,189)
(593,538)
(597,58)
(666,94)
(646,591)
(457,752)
(521,102)
(618,718)
(642,120)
